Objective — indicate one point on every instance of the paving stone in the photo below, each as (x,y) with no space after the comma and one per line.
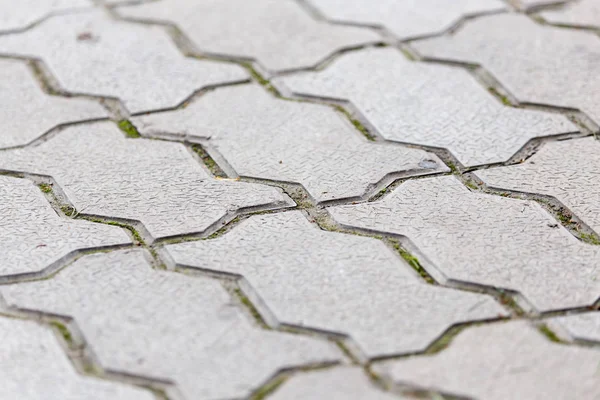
(264,137)
(157,183)
(530,4)
(581,326)
(33,366)
(347,383)
(167,325)
(547,65)
(487,240)
(431,105)
(24,13)
(567,170)
(336,282)
(94,54)
(578,13)
(505,361)
(405,19)
(21,125)
(278,34)
(34,237)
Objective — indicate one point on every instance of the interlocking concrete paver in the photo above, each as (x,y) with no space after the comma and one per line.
(486,239)
(568,171)
(158,183)
(33,366)
(502,361)
(336,282)
(581,326)
(278,34)
(537,63)
(348,383)
(264,137)
(167,325)
(17,15)
(21,125)
(577,13)
(406,19)
(34,237)
(431,105)
(94,54)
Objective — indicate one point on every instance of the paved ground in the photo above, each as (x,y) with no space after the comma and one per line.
(299,199)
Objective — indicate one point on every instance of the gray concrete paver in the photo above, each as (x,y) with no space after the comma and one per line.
(336,282)
(432,105)
(94,54)
(280,35)
(567,170)
(547,65)
(405,19)
(167,325)
(264,137)
(576,13)
(487,240)
(35,237)
(158,183)
(501,361)
(584,327)
(18,15)
(34,366)
(21,125)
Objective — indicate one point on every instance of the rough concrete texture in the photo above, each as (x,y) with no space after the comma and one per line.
(34,237)
(18,15)
(33,366)
(584,327)
(167,325)
(348,383)
(94,54)
(336,282)
(486,239)
(278,34)
(584,13)
(431,105)
(504,361)
(263,137)
(158,183)
(269,157)
(548,65)
(21,125)
(568,171)
(405,19)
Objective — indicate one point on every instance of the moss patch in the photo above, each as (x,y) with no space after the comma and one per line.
(129,129)
(63,331)
(413,262)
(549,334)
(45,188)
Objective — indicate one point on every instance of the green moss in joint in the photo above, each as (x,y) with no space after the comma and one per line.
(269,388)
(211,164)
(357,124)
(503,98)
(63,331)
(590,238)
(414,262)
(45,188)
(549,334)
(129,129)
(248,304)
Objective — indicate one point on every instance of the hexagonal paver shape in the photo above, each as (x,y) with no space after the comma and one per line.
(432,105)
(583,13)
(264,137)
(21,125)
(336,282)
(17,15)
(278,34)
(94,54)
(34,238)
(157,183)
(405,19)
(567,170)
(547,65)
(487,240)
(347,383)
(167,325)
(34,366)
(504,361)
